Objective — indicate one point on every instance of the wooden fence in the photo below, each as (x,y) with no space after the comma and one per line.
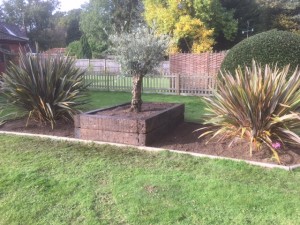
(167,83)
(207,63)
(184,74)
(111,66)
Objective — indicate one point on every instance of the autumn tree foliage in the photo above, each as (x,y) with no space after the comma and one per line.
(215,16)
(193,24)
(189,34)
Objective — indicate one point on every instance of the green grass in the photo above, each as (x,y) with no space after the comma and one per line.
(194,106)
(48,182)
(101,80)
(8,110)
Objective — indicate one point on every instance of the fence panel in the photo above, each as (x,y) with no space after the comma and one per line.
(111,66)
(207,63)
(167,83)
(197,85)
(191,74)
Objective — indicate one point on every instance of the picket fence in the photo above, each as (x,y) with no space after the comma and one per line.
(104,74)
(177,84)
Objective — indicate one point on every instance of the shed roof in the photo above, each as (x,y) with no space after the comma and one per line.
(12,32)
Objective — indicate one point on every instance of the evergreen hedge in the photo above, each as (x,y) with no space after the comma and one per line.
(269,47)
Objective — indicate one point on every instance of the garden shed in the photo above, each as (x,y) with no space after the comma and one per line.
(12,38)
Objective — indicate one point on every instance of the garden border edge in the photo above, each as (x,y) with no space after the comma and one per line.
(153,149)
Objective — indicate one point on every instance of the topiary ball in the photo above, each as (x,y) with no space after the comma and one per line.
(281,47)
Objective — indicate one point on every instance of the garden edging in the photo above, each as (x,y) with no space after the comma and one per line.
(152,149)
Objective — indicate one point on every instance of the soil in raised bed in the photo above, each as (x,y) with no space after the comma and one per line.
(148,109)
(181,138)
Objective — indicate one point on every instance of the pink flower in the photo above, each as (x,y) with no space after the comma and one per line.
(276,145)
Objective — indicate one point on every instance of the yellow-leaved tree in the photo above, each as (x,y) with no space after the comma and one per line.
(192,33)
(173,17)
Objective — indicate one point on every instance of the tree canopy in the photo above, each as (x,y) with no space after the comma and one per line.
(200,22)
(194,25)
(34,15)
(139,52)
(102,17)
(189,34)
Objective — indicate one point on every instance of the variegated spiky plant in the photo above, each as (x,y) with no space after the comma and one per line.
(47,87)
(259,105)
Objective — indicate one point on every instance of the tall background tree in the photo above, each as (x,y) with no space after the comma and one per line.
(100,18)
(201,22)
(85,50)
(35,16)
(195,25)
(218,18)
(280,14)
(71,21)
(262,15)
(43,22)
(247,15)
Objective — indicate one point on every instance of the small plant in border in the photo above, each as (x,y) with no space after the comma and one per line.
(47,87)
(259,105)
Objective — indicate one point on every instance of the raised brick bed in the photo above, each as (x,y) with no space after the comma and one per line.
(121,129)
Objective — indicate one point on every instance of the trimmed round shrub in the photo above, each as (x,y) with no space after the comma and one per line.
(281,47)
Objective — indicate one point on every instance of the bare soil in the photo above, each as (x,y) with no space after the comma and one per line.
(183,138)
(148,109)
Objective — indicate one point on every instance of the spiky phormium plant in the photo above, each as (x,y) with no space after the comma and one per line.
(47,87)
(259,105)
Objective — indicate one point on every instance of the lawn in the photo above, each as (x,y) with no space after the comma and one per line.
(7,110)
(194,106)
(114,82)
(49,182)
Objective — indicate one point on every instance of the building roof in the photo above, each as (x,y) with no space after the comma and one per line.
(12,32)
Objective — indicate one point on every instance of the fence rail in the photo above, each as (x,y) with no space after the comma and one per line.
(111,66)
(166,83)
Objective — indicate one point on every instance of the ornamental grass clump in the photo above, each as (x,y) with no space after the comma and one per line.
(259,105)
(49,88)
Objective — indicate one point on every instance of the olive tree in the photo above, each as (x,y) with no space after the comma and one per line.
(139,52)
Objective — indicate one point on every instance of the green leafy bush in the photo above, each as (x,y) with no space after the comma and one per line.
(74,49)
(48,88)
(258,105)
(269,47)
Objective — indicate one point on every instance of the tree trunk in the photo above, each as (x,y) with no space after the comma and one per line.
(136,101)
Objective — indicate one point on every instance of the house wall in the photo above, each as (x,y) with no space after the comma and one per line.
(14,48)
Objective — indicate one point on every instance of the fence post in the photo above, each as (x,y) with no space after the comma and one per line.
(107,81)
(105,65)
(177,83)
